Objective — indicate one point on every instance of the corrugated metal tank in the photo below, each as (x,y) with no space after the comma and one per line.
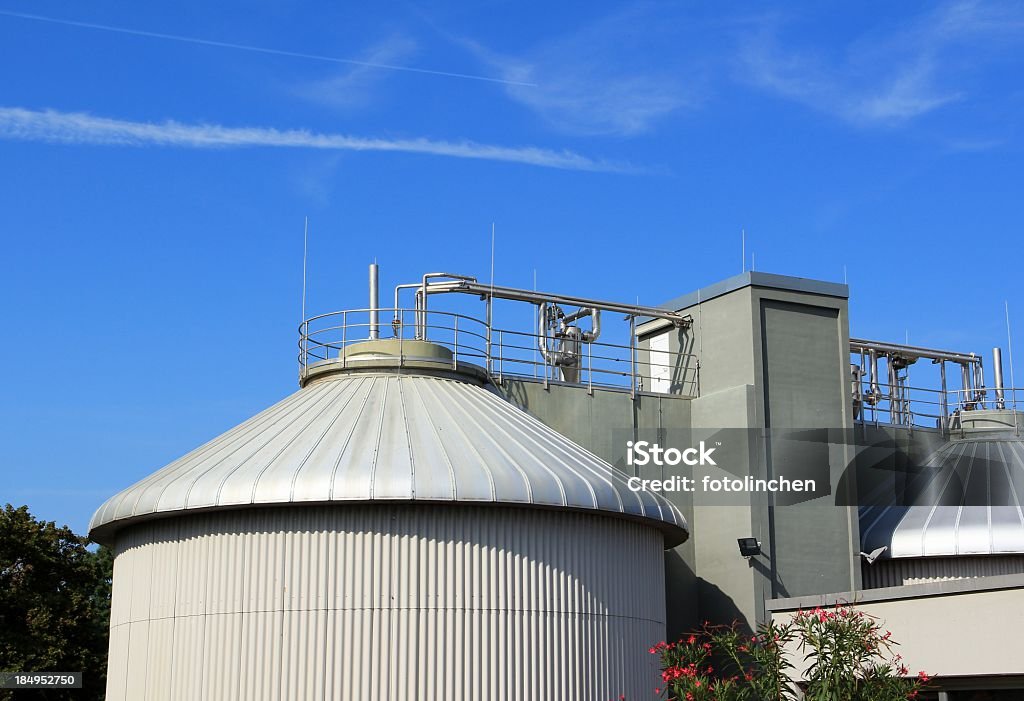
(392,530)
(959,517)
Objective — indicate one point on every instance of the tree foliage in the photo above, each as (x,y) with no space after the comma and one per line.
(54,604)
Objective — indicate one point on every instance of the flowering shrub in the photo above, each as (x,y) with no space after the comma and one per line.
(721,662)
(849,656)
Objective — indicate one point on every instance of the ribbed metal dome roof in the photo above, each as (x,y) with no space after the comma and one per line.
(376,435)
(967,501)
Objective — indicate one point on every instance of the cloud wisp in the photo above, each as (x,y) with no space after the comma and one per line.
(884,78)
(353,86)
(898,93)
(80,128)
(599,80)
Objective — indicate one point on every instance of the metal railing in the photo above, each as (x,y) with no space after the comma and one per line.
(905,405)
(901,405)
(499,352)
(893,400)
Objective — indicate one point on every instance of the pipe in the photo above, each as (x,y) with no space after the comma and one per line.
(423,298)
(470,286)
(857,389)
(997,376)
(876,390)
(595,322)
(944,395)
(979,383)
(542,329)
(966,400)
(399,288)
(374,303)
(855,381)
(912,352)
(895,406)
(419,317)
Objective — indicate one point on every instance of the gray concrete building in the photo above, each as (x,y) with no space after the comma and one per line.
(451,508)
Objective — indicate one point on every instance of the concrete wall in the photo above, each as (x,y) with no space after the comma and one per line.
(729,587)
(770,355)
(804,378)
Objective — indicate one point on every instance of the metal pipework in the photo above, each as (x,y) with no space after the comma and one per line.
(895,405)
(595,323)
(470,286)
(944,394)
(911,352)
(856,377)
(419,304)
(396,323)
(875,395)
(542,329)
(979,382)
(564,349)
(423,296)
(997,376)
(966,399)
(554,355)
(374,303)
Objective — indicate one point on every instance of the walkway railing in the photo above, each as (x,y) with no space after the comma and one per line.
(905,405)
(500,352)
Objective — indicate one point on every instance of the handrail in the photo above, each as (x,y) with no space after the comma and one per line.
(881,392)
(324,337)
(907,405)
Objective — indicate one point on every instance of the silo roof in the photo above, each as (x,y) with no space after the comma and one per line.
(968,502)
(384,436)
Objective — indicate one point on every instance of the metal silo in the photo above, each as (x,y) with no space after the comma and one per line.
(394,529)
(960,516)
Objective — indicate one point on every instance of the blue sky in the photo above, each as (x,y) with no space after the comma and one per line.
(157,161)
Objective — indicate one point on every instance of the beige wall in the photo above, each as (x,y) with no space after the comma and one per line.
(954,630)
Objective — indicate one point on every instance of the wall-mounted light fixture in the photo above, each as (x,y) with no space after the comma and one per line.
(749,546)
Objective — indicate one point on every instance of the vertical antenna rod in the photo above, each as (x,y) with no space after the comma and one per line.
(303,325)
(305,249)
(1009,353)
(490,304)
(492,258)
(374,303)
(743,250)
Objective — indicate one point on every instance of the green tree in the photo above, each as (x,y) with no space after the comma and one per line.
(54,604)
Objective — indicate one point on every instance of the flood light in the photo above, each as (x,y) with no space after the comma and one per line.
(749,546)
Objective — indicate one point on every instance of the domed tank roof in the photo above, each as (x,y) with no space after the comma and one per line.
(966,501)
(377,428)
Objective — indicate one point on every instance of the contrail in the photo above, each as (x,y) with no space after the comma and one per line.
(80,128)
(259,49)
